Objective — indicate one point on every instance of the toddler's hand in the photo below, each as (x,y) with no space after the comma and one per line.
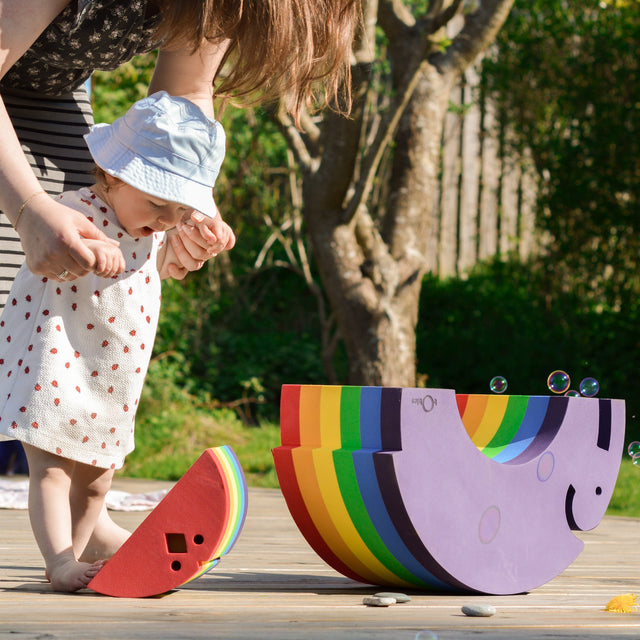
(109,259)
(213,235)
(196,240)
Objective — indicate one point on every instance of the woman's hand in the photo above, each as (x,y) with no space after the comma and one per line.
(52,238)
(195,241)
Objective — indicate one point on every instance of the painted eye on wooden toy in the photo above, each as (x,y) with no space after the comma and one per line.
(195,524)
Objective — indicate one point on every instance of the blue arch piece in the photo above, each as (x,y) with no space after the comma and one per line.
(370,406)
(531,423)
(547,432)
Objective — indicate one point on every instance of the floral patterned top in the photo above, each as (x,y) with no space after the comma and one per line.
(86,35)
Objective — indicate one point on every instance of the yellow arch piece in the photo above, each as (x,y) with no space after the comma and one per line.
(490,423)
(310,491)
(310,416)
(330,417)
(334,504)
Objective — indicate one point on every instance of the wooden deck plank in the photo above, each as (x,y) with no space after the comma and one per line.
(273,586)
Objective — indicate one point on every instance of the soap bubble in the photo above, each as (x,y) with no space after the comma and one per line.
(558,381)
(589,387)
(498,384)
(636,459)
(634,448)
(425,635)
(572,393)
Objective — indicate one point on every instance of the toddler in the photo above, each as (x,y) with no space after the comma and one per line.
(74,354)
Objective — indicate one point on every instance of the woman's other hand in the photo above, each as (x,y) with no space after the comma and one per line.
(196,240)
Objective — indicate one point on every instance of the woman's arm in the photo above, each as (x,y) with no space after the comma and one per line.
(50,232)
(20,25)
(190,75)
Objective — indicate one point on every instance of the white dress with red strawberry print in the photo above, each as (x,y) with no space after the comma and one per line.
(74,355)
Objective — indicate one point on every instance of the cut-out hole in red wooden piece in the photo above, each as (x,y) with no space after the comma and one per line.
(176,542)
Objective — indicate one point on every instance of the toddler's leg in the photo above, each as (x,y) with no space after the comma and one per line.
(95,535)
(50,486)
(106,539)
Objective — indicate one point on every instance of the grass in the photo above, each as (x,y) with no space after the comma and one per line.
(626,496)
(168,443)
(173,428)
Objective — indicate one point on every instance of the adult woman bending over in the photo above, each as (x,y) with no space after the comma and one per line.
(48,49)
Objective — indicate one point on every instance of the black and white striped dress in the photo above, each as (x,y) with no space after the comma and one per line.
(48,105)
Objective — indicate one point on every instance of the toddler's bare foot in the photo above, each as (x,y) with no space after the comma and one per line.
(72,575)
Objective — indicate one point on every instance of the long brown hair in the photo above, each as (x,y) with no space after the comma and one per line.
(297,49)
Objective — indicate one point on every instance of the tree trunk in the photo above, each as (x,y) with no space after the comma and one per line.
(372,273)
(372,255)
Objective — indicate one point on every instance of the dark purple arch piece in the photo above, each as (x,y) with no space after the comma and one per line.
(604,424)
(548,430)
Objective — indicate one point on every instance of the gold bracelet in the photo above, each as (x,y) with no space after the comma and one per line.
(23,205)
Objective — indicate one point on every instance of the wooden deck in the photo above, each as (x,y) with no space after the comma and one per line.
(273,586)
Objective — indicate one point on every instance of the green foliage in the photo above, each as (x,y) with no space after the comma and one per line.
(253,185)
(564,75)
(626,496)
(506,320)
(113,92)
(245,343)
(174,427)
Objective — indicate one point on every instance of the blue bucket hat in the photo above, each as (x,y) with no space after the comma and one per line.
(165,146)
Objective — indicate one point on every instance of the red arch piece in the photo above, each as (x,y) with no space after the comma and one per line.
(194,524)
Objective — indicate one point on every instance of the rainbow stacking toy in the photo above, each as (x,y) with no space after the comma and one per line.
(430,489)
(195,524)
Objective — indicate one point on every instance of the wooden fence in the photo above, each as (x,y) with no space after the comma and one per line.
(486,202)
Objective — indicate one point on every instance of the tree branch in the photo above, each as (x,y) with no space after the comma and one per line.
(442,17)
(383,139)
(395,19)
(479,31)
(435,8)
(295,141)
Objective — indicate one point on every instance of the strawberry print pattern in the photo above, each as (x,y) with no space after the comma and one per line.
(73,355)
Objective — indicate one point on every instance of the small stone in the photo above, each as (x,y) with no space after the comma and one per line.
(400,597)
(375,601)
(478,610)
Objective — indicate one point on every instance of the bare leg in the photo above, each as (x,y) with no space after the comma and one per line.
(106,539)
(63,514)
(89,486)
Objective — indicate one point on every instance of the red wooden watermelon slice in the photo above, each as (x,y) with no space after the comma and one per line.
(196,523)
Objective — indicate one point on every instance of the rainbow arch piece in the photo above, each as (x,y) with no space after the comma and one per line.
(427,489)
(185,536)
